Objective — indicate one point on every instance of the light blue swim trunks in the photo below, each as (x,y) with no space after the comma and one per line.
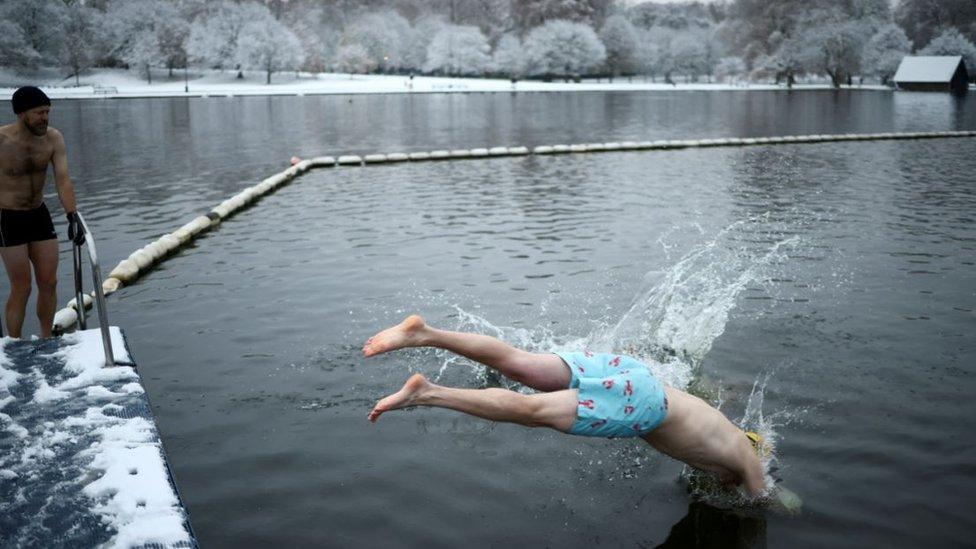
(618,396)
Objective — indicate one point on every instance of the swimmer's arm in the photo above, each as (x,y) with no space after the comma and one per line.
(66,191)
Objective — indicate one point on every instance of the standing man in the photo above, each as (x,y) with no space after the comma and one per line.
(27,236)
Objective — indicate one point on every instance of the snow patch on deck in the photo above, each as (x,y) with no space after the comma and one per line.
(80,457)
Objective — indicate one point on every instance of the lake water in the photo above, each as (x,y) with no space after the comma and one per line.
(839,279)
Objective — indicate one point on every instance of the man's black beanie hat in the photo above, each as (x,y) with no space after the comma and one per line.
(27,98)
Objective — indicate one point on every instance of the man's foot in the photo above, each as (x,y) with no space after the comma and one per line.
(404,334)
(413,389)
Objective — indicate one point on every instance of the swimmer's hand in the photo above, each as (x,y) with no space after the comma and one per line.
(76,231)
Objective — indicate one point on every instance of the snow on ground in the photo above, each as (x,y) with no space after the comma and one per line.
(101,83)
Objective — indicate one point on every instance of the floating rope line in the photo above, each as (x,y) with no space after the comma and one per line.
(144,259)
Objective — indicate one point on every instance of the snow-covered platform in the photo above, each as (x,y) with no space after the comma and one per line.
(81,462)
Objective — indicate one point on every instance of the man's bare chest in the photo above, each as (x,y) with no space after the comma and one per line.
(19,160)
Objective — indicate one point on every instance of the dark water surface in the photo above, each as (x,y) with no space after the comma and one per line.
(841,275)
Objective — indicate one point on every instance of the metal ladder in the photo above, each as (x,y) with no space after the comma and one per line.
(99,294)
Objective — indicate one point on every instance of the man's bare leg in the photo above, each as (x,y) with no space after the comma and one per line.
(17,262)
(556,410)
(44,256)
(540,371)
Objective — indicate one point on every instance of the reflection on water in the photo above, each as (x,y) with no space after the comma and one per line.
(707,527)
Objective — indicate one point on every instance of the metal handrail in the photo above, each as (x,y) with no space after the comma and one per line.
(99,294)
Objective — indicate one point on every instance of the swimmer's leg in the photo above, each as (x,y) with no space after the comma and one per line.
(540,371)
(556,410)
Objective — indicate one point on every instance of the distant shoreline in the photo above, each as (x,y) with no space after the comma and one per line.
(122,84)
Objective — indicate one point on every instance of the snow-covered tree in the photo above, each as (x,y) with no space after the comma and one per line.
(142,52)
(527,14)
(509,57)
(385,35)
(268,45)
(38,25)
(884,52)
(213,39)
(353,58)
(693,53)
(423,32)
(620,40)
(128,23)
(923,20)
(458,50)
(563,48)
(172,32)
(79,48)
(316,37)
(688,54)
(952,42)
(730,68)
(786,63)
(831,43)
(654,52)
(15,51)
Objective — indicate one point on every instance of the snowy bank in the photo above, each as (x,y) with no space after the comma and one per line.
(103,83)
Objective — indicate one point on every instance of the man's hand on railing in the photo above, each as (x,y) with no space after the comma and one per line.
(76,231)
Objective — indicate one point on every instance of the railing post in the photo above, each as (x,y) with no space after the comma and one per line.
(79,296)
(99,294)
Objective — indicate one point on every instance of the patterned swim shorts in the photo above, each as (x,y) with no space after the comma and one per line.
(618,395)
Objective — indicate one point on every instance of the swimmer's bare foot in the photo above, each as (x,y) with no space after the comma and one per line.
(404,334)
(409,395)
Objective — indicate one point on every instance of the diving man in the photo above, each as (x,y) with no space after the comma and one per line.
(602,395)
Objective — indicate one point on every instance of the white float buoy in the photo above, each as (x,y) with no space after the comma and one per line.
(542,149)
(64,319)
(629,145)
(323,161)
(374,158)
(140,259)
(155,251)
(577,148)
(460,153)
(558,149)
(350,160)
(220,211)
(498,151)
(169,243)
(479,152)
(518,151)
(110,285)
(419,156)
(397,157)
(612,146)
(85,298)
(126,271)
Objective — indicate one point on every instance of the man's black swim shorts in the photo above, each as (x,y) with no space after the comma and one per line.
(22,226)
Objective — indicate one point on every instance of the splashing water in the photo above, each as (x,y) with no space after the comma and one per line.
(671,326)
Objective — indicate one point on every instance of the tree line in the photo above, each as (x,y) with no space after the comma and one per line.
(779,40)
